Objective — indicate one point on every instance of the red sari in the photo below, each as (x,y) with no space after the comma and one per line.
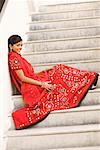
(71,85)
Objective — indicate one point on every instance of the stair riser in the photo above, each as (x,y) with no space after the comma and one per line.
(54,141)
(62,44)
(68,119)
(90,99)
(63,34)
(77,6)
(91,66)
(65,15)
(65,24)
(62,56)
(92,148)
(78,148)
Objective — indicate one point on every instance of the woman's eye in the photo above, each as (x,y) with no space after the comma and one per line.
(18,45)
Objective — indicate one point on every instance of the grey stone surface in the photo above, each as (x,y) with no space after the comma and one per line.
(62,44)
(78,148)
(92,98)
(55,137)
(65,23)
(90,65)
(69,7)
(63,56)
(82,115)
(65,14)
(63,33)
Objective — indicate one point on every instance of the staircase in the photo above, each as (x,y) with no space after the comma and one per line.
(68,34)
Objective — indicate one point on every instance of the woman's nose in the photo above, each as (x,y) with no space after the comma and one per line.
(20,47)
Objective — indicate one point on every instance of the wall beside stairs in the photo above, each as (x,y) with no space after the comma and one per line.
(13,21)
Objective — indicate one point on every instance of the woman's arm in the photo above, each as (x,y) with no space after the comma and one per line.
(25,79)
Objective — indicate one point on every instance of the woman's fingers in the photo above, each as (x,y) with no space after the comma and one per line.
(48,86)
(48,82)
(51,86)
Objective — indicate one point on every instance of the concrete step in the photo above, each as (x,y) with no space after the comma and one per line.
(70,6)
(78,148)
(54,137)
(92,98)
(62,55)
(63,33)
(62,44)
(81,115)
(64,14)
(91,65)
(64,23)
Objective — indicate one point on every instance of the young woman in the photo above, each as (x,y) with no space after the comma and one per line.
(61,87)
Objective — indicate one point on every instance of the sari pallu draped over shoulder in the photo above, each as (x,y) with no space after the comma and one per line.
(71,85)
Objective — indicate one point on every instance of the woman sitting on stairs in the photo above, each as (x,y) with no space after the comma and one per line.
(61,87)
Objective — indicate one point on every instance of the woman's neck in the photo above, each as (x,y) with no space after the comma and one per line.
(15,52)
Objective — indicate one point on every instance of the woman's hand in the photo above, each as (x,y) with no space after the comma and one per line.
(47,85)
(25,79)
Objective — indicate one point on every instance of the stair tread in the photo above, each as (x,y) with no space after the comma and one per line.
(75,3)
(68,62)
(58,20)
(61,11)
(77,109)
(80,108)
(65,14)
(90,91)
(59,51)
(69,5)
(54,130)
(62,39)
(62,29)
(79,148)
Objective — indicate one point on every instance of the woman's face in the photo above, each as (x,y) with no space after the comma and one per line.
(16,47)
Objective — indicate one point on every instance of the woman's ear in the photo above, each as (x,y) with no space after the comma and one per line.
(10,47)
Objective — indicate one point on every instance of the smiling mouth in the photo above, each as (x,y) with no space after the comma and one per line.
(19,51)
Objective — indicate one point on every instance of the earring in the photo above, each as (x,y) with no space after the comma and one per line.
(12,50)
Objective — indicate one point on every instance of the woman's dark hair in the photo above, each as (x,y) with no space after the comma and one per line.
(13,40)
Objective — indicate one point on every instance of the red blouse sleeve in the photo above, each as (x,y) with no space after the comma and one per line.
(14,63)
